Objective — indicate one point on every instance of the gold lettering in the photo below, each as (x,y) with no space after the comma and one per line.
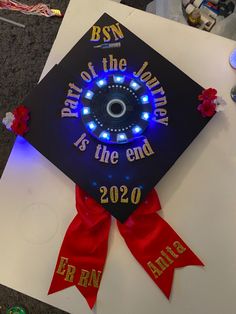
(95,278)
(123,65)
(71,103)
(91,68)
(104,62)
(130,155)
(179,247)
(113,63)
(76,88)
(163,253)
(83,281)
(160,111)
(146,76)
(104,198)
(169,250)
(105,155)
(67,113)
(72,95)
(80,140)
(160,101)
(114,157)
(162,263)
(164,121)
(86,76)
(62,266)
(106,30)
(147,148)
(156,271)
(159,90)
(70,273)
(98,149)
(83,142)
(137,74)
(153,83)
(96,33)
(138,153)
(117,32)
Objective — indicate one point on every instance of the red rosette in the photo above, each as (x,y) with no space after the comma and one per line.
(21,113)
(207,108)
(20,123)
(19,127)
(208,94)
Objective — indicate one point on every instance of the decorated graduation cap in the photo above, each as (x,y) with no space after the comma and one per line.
(114,116)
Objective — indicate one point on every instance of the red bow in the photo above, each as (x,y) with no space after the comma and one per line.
(154,244)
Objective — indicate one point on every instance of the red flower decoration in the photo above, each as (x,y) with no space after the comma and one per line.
(19,124)
(19,127)
(207,108)
(21,113)
(208,94)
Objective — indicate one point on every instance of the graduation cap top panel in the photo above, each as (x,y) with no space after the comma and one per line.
(114,116)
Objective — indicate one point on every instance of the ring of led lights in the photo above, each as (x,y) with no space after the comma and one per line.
(116,109)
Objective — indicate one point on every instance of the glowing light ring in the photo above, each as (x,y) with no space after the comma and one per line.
(116,109)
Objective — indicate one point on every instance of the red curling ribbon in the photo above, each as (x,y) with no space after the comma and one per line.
(151,240)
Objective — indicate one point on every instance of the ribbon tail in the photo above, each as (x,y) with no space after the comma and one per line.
(166,286)
(165,280)
(84,249)
(65,262)
(155,245)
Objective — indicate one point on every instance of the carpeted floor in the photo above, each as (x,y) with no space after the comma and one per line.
(23,53)
(9,298)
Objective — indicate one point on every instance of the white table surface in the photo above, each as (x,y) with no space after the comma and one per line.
(198,194)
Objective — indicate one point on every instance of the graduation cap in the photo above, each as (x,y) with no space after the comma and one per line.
(114,116)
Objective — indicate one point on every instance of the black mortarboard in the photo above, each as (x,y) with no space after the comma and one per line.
(114,116)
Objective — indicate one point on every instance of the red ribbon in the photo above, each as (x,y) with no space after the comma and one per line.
(154,244)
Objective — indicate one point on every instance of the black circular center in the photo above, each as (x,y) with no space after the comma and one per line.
(116,108)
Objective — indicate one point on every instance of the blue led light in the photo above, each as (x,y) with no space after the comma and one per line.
(136,129)
(128,85)
(118,79)
(101,83)
(121,137)
(105,135)
(134,85)
(145,116)
(89,94)
(144,99)
(92,125)
(86,110)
